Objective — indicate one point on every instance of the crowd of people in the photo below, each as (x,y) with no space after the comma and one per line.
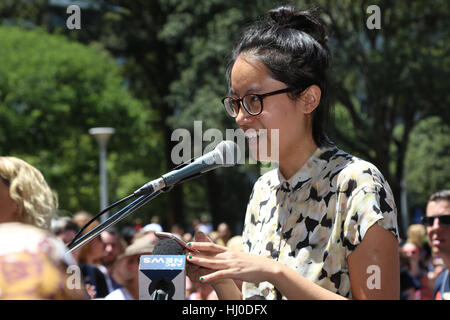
(35,264)
(419,268)
(109,263)
(34,259)
(424,255)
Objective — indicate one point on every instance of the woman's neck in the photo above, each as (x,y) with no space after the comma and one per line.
(297,157)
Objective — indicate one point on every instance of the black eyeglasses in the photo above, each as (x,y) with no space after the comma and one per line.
(444,220)
(253,103)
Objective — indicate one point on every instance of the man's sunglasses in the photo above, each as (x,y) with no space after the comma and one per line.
(444,220)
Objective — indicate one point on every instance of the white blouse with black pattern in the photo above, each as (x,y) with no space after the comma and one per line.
(313,221)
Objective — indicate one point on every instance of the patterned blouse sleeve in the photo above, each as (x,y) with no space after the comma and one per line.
(248,222)
(371,202)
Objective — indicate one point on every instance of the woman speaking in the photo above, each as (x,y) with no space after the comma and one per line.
(323,225)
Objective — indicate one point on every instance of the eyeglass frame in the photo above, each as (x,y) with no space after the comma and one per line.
(426,220)
(240,101)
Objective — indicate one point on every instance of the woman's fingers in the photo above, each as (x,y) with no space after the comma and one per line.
(218,275)
(205,244)
(195,272)
(207,262)
(230,264)
(206,247)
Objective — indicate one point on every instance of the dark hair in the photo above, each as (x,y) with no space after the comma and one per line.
(64,224)
(292,45)
(113,231)
(440,195)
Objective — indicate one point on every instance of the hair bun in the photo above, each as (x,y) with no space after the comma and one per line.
(308,21)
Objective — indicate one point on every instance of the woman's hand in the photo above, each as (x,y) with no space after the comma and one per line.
(194,272)
(214,263)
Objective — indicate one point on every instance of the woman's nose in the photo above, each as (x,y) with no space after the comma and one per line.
(243,116)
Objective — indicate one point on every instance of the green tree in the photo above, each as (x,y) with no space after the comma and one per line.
(427,161)
(205,32)
(388,77)
(52,91)
(175,53)
(129,30)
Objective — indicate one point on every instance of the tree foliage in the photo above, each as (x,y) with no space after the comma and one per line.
(427,161)
(51,92)
(388,78)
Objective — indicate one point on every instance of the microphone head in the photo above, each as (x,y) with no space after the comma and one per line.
(229,152)
(167,247)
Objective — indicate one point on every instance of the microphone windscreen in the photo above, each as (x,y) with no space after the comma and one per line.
(167,247)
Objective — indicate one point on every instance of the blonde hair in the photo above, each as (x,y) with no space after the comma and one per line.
(416,234)
(28,189)
(81,218)
(235,243)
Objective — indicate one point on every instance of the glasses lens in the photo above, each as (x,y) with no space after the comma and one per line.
(231,107)
(252,104)
(428,221)
(445,220)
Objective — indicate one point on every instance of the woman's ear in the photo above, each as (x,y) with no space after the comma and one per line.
(310,99)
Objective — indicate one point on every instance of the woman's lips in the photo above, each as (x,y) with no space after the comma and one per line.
(251,133)
(252,136)
(255,137)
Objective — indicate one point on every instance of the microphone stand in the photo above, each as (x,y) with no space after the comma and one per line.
(136,204)
(159,295)
(121,214)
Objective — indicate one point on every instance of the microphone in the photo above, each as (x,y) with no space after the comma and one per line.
(167,246)
(162,275)
(225,154)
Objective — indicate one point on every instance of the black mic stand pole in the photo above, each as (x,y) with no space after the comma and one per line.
(136,204)
(159,295)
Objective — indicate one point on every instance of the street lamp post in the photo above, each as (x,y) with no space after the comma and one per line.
(102,136)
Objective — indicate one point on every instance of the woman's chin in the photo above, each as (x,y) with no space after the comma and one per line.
(261,155)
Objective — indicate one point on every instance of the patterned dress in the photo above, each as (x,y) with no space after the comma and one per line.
(314,220)
(35,265)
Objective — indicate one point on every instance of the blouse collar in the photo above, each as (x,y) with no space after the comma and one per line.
(311,168)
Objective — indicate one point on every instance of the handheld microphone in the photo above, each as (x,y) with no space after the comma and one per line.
(225,154)
(162,275)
